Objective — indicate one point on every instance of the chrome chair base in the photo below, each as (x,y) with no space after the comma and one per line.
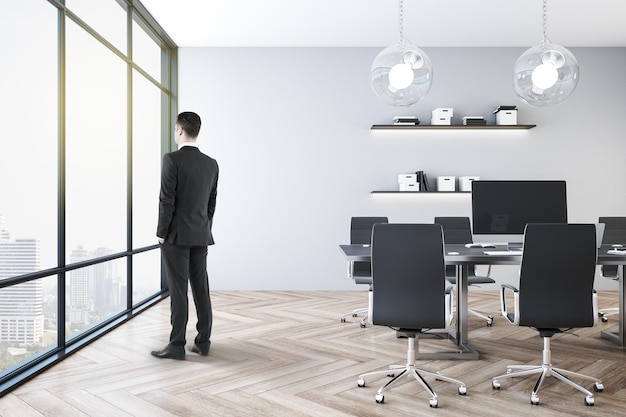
(546,370)
(603,315)
(410,370)
(358,311)
(355,313)
(487,317)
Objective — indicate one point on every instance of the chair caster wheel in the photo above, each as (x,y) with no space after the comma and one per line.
(343,320)
(604,319)
(433,403)
(362,325)
(489,321)
(495,384)
(589,401)
(353,315)
(380,398)
(360,382)
(534,400)
(462,390)
(598,387)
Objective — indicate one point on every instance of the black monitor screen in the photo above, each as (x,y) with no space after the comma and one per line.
(505,207)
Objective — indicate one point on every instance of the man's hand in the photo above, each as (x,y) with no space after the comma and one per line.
(161,240)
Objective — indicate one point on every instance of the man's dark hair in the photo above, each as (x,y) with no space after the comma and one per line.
(190,122)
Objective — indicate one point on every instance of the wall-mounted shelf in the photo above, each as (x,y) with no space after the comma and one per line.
(421,192)
(451,127)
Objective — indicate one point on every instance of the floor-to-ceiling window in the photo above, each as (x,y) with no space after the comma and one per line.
(88,92)
(146,182)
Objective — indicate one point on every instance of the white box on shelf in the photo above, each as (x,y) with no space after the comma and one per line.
(443,112)
(446,183)
(409,186)
(437,121)
(407,179)
(506,117)
(465,183)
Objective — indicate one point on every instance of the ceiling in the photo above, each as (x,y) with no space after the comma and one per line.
(374,23)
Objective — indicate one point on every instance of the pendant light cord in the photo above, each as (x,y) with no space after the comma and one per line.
(401,20)
(545,22)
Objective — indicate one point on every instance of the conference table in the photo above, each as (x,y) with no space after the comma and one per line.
(462,257)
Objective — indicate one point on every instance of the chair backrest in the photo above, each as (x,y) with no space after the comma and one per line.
(456,230)
(614,233)
(556,277)
(361,234)
(408,274)
(361,229)
(614,230)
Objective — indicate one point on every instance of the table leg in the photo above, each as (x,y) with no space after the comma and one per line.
(462,272)
(461,305)
(618,337)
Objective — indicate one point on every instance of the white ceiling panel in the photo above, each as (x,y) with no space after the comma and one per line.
(363,23)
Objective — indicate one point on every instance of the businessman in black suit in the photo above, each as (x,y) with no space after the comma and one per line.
(186,206)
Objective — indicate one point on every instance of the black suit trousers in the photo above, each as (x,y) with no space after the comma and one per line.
(188,264)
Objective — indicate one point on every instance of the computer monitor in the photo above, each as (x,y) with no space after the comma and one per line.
(501,209)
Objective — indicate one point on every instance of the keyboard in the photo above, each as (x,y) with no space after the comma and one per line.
(503,252)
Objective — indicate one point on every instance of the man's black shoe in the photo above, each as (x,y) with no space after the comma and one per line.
(203,351)
(170,352)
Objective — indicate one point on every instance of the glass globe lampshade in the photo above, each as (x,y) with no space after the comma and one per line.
(401,74)
(545,74)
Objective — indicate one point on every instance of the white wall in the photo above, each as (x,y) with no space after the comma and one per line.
(290,128)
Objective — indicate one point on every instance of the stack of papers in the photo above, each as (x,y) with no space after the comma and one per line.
(406,121)
(474,120)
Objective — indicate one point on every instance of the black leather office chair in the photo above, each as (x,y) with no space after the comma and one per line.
(555,294)
(409,280)
(614,234)
(360,272)
(458,230)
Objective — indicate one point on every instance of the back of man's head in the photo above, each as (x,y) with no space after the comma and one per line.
(190,122)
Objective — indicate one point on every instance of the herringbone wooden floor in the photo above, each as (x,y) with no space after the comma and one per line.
(287,354)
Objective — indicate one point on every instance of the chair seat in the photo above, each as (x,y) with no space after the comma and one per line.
(362,273)
(362,279)
(548,332)
(409,332)
(472,280)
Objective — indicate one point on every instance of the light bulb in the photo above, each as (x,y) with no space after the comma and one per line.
(545,76)
(401,76)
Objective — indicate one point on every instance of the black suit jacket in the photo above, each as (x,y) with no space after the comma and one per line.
(187,197)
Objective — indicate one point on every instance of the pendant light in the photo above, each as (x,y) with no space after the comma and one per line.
(402,73)
(545,74)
